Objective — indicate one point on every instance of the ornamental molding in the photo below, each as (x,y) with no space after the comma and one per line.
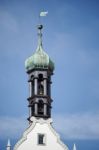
(41,120)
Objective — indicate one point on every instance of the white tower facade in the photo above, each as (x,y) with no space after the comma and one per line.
(40,135)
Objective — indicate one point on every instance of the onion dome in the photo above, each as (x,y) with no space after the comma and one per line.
(40,59)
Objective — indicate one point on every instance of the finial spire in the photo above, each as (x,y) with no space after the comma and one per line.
(74,147)
(8,145)
(40,27)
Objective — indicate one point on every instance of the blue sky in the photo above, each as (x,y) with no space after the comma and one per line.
(71,38)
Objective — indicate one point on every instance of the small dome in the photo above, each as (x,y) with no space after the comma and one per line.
(39,59)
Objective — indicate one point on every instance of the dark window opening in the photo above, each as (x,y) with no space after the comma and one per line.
(41,139)
(48,110)
(40,77)
(40,89)
(32,110)
(32,77)
(40,84)
(40,107)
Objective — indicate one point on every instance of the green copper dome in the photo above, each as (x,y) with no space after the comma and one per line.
(39,59)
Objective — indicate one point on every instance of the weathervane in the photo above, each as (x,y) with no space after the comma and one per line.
(42,14)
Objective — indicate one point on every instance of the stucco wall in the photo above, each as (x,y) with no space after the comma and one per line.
(30,142)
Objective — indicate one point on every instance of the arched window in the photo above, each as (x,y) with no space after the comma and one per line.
(40,84)
(32,76)
(40,77)
(40,107)
(40,89)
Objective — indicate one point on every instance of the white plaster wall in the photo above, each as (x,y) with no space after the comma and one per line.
(51,139)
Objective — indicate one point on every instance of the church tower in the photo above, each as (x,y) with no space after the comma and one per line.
(39,68)
(40,135)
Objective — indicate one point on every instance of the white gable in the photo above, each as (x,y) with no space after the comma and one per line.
(51,140)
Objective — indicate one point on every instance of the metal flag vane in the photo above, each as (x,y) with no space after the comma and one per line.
(42,14)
